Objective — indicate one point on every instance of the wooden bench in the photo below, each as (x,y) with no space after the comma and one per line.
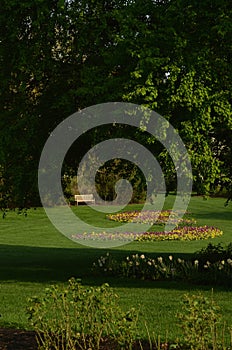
(84,198)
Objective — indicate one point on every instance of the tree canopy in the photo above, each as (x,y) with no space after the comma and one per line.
(60,56)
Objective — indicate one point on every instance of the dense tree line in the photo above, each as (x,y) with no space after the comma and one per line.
(61,56)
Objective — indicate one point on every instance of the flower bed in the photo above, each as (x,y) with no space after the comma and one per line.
(186,233)
(168,267)
(106,236)
(152,217)
(185,229)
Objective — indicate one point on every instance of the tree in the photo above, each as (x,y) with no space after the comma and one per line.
(49,50)
(60,56)
(183,71)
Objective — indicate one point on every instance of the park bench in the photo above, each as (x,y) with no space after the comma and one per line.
(84,198)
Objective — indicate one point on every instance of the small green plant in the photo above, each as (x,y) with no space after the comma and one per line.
(199,322)
(73,316)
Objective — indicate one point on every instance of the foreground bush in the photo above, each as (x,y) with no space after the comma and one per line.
(201,323)
(75,317)
(79,318)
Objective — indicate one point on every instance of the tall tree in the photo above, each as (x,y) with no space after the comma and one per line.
(183,70)
(60,56)
(57,57)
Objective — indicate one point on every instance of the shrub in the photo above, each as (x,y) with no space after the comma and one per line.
(73,316)
(199,321)
(214,253)
(215,264)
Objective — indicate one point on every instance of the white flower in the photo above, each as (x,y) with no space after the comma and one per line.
(142,256)
(179,260)
(149,263)
(196,262)
(223,262)
(170,257)
(229,261)
(207,264)
(160,259)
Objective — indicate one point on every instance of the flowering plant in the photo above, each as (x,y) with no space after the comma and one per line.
(144,267)
(186,233)
(147,268)
(136,266)
(152,217)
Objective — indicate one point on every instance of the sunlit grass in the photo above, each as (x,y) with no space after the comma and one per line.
(34,254)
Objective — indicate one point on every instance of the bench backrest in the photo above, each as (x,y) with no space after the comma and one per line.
(84,197)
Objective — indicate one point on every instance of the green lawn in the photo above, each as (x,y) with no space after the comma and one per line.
(34,254)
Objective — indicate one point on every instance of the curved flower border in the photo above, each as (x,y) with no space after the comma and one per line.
(186,233)
(153,217)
